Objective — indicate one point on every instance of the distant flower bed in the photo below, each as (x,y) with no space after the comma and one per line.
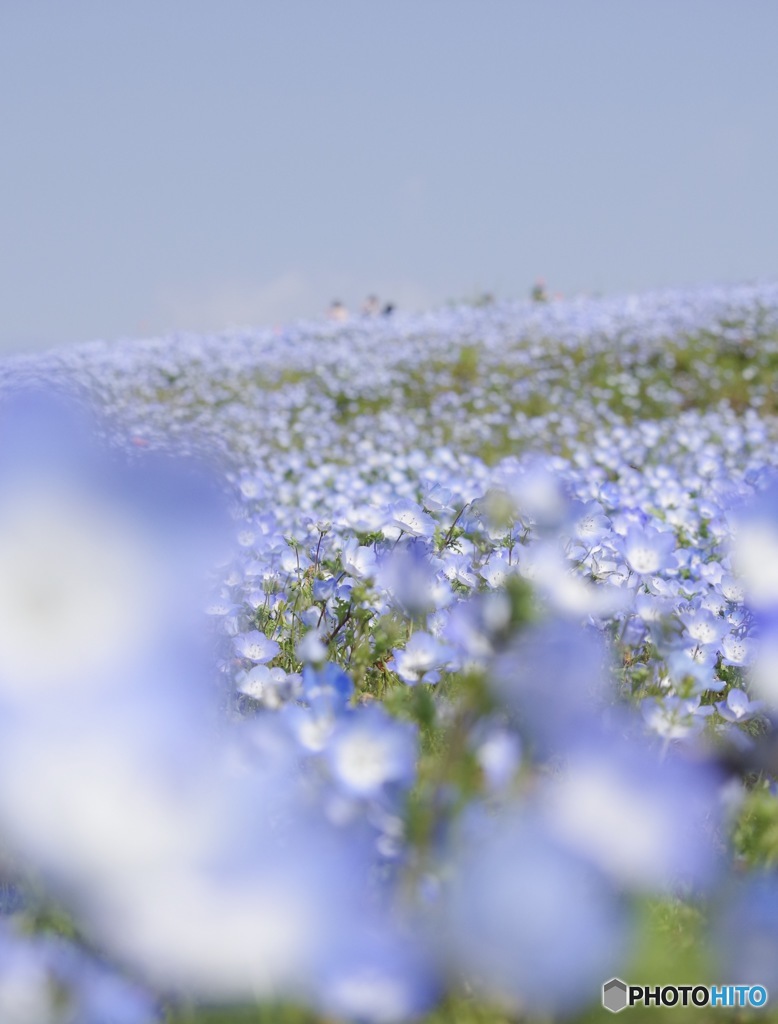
(419,667)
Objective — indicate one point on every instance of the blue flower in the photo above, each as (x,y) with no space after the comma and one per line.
(526,921)
(737,650)
(327,685)
(358,560)
(646,820)
(555,678)
(369,750)
(382,975)
(648,551)
(256,647)
(738,707)
(421,659)
(410,518)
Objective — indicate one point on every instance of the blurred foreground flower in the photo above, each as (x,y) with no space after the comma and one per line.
(527,922)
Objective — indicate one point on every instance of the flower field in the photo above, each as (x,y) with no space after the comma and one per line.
(413,668)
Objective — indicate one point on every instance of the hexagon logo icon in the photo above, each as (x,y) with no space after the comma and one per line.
(614,995)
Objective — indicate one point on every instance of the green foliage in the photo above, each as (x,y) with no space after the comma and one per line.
(755,836)
(465,370)
(267,1013)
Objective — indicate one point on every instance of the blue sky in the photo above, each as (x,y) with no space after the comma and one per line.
(189,164)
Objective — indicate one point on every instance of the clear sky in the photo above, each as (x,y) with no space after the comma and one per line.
(197,163)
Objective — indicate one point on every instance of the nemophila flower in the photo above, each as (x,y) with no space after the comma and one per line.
(538,494)
(410,518)
(675,718)
(323,589)
(692,670)
(704,655)
(311,617)
(254,916)
(742,620)
(311,727)
(652,608)
(627,518)
(459,569)
(221,607)
(755,554)
(681,518)
(317,525)
(566,590)
(75,573)
(712,572)
(473,627)
(358,560)
(255,682)
(343,591)
(421,659)
(738,707)
(704,627)
(327,685)
(668,589)
(253,569)
(738,650)
(648,551)
(96,580)
(498,752)
(437,498)
(250,486)
(406,573)
(713,602)
(294,561)
(609,569)
(649,822)
(370,750)
(256,647)
(246,537)
(384,975)
(526,922)
(112,794)
(555,678)
(590,523)
(311,649)
(496,569)
(270,686)
(732,589)
(364,518)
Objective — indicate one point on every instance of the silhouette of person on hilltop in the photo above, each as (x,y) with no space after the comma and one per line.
(539,292)
(337,312)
